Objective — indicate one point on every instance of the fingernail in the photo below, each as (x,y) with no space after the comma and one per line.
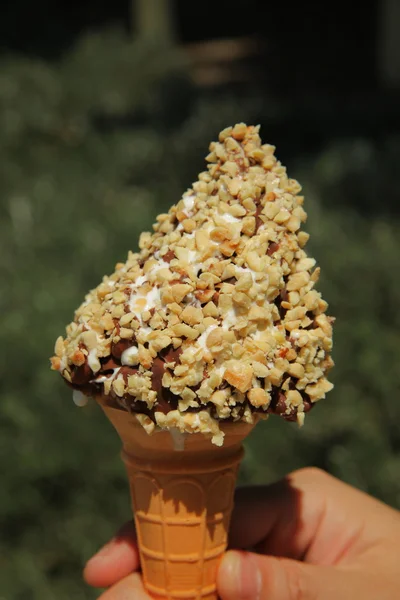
(231,566)
(244,574)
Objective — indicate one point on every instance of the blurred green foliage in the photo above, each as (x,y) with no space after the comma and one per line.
(91,149)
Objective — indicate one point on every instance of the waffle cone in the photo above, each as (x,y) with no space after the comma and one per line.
(182,502)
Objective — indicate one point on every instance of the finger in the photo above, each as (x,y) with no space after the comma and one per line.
(308,515)
(115,560)
(128,588)
(247,576)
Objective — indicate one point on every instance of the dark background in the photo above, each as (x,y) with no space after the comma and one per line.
(106,112)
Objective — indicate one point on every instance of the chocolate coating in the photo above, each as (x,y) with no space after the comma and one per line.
(170,354)
(82,374)
(109,363)
(120,347)
(170,255)
(127,372)
(272,248)
(166,400)
(259,221)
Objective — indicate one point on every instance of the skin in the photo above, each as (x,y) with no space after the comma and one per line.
(307,537)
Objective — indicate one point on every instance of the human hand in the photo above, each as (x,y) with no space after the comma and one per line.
(311,537)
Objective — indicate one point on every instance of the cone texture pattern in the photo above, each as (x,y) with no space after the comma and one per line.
(182,522)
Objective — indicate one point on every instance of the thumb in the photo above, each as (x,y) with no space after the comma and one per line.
(248,576)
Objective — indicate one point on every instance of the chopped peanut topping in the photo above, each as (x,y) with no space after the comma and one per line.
(217,316)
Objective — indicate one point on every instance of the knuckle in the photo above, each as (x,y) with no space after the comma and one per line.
(311,474)
(297,583)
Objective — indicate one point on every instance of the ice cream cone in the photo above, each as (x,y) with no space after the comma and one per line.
(182,500)
(212,325)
